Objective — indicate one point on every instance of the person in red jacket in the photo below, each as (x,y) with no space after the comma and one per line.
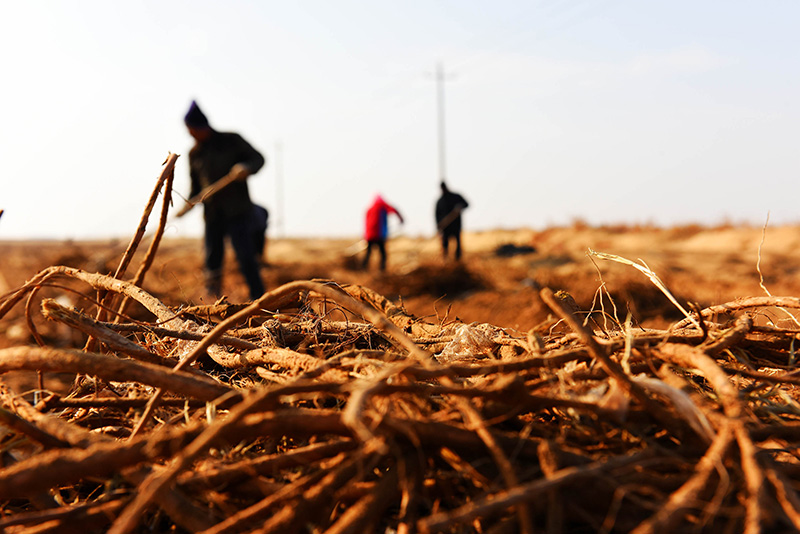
(377,228)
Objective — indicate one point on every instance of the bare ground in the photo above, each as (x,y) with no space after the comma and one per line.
(699,265)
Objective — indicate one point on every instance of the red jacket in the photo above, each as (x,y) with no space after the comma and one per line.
(377,228)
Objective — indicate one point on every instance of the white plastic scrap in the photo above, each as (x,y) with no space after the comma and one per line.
(469,342)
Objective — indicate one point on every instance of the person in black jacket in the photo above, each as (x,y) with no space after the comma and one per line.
(448,218)
(228,212)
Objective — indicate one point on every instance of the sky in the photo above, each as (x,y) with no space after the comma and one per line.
(605,112)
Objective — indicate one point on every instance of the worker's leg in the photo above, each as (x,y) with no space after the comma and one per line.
(382,249)
(240,230)
(458,245)
(365,263)
(445,243)
(214,254)
(260,217)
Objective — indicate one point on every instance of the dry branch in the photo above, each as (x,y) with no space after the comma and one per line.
(110,368)
(167,177)
(55,312)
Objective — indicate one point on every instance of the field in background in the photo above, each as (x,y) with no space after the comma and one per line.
(701,265)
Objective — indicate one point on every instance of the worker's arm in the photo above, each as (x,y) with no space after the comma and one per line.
(211,190)
(392,209)
(250,160)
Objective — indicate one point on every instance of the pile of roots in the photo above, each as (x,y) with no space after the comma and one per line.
(329,409)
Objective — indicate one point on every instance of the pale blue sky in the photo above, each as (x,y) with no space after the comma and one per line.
(606,111)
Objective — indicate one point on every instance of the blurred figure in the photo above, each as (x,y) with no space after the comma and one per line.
(448,219)
(261,222)
(228,211)
(377,229)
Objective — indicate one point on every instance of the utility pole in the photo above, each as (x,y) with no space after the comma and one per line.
(279,188)
(440,79)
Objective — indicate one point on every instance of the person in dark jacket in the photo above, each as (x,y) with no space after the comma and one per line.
(228,212)
(448,219)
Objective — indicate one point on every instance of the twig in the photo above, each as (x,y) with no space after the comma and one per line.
(368,312)
(366,512)
(684,498)
(76,514)
(162,223)
(761,275)
(649,274)
(153,485)
(110,368)
(207,193)
(497,502)
(743,304)
(166,174)
(55,312)
(12,421)
(127,257)
(611,367)
(237,522)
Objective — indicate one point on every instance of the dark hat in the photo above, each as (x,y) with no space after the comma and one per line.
(195,118)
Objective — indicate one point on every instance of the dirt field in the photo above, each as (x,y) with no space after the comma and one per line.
(701,265)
